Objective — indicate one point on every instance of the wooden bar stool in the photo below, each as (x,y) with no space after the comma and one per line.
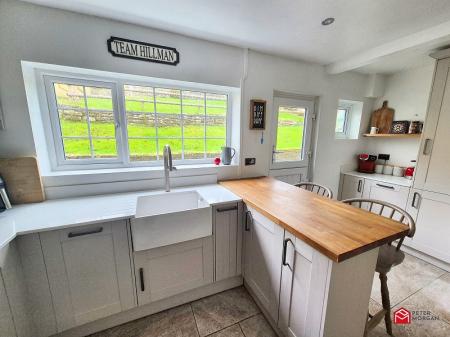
(316,188)
(388,255)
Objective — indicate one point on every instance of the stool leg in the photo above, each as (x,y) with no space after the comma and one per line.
(386,303)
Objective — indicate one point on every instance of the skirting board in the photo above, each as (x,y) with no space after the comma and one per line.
(152,308)
(427,258)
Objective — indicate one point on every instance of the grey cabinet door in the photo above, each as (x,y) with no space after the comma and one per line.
(227,240)
(263,249)
(89,271)
(433,167)
(352,187)
(166,271)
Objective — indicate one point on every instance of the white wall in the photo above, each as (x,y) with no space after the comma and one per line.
(40,34)
(408,93)
(267,73)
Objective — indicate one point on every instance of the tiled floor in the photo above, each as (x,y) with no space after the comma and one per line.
(415,285)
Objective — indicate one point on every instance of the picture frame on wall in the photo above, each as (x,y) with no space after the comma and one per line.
(257,114)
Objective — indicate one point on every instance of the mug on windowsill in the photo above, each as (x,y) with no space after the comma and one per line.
(227,155)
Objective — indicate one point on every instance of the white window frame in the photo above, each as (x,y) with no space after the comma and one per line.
(348,111)
(52,125)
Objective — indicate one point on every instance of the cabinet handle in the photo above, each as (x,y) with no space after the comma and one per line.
(386,186)
(89,232)
(141,276)
(284,252)
(248,215)
(416,196)
(359,185)
(425,147)
(226,209)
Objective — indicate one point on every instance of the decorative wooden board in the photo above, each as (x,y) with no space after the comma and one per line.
(382,118)
(23,180)
(335,229)
(257,114)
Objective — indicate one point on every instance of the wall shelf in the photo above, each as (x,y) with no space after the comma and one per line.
(393,135)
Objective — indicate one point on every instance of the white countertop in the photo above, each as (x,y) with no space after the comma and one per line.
(402,181)
(63,213)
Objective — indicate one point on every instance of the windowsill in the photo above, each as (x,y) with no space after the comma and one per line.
(156,169)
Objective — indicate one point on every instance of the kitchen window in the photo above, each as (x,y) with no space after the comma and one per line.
(341,120)
(122,123)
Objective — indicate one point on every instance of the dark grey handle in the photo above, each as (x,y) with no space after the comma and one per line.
(248,215)
(141,276)
(89,232)
(359,185)
(425,146)
(283,260)
(413,204)
(226,209)
(386,186)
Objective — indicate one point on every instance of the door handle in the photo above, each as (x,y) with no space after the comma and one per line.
(386,186)
(226,209)
(89,232)
(283,259)
(360,185)
(426,151)
(141,277)
(416,197)
(248,215)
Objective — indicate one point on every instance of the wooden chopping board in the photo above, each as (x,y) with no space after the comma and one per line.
(382,118)
(23,180)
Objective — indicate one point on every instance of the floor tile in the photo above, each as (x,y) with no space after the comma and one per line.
(257,326)
(407,278)
(416,329)
(219,311)
(177,322)
(232,331)
(374,307)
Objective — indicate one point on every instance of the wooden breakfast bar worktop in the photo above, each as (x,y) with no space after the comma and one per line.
(337,230)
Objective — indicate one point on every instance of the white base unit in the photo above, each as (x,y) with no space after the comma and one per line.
(319,297)
(394,194)
(89,272)
(352,187)
(263,246)
(170,270)
(432,214)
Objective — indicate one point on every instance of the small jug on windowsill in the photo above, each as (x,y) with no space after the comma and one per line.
(227,155)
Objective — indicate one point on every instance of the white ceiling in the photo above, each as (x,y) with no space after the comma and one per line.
(285,27)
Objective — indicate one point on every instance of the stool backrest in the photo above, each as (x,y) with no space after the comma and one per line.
(316,188)
(387,210)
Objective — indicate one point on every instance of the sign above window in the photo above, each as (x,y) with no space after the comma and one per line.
(143,51)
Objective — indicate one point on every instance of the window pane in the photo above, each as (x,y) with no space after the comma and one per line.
(175,146)
(193,103)
(340,120)
(86,112)
(138,99)
(216,104)
(214,147)
(169,126)
(194,126)
(104,148)
(142,149)
(291,121)
(77,148)
(71,110)
(216,127)
(194,148)
(168,101)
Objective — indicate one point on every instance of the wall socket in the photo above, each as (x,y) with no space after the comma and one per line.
(383,156)
(250,161)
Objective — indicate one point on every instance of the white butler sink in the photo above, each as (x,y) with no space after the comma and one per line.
(172,217)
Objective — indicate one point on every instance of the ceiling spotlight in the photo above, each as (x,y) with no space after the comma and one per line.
(327,21)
